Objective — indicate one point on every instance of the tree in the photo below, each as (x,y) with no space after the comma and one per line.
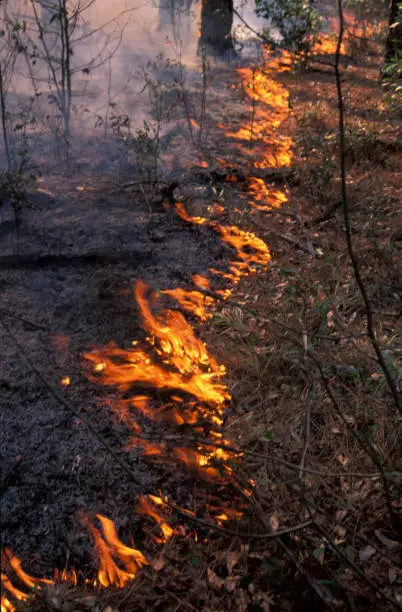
(171,13)
(394,39)
(297,21)
(216,29)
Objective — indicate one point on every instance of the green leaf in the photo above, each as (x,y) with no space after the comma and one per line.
(268,435)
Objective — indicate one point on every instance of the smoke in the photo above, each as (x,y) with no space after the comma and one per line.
(117,48)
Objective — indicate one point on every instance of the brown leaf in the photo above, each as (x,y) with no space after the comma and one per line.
(366,553)
(231,583)
(214,580)
(386,541)
(232,558)
(159,563)
(274,521)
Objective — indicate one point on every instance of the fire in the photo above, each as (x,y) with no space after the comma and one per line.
(251,251)
(176,364)
(146,507)
(264,198)
(269,108)
(112,554)
(193,302)
(11,564)
(110,549)
(201,282)
(327,45)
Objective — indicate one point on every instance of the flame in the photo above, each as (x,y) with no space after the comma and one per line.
(268,110)
(251,251)
(327,45)
(264,198)
(109,548)
(10,561)
(175,362)
(201,282)
(192,301)
(146,506)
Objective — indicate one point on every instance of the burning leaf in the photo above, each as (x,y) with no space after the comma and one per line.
(147,508)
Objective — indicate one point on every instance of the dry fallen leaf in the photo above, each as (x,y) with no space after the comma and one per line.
(274,521)
(232,558)
(231,583)
(386,541)
(214,580)
(366,553)
(159,563)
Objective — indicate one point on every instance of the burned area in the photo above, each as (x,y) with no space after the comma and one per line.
(70,289)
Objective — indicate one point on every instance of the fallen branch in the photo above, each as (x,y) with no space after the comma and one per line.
(328,214)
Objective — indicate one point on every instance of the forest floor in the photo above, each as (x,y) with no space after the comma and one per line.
(310,412)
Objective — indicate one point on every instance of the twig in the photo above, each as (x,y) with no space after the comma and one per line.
(312,582)
(7,313)
(293,466)
(353,565)
(306,440)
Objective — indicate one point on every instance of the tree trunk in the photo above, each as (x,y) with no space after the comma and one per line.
(216,29)
(394,40)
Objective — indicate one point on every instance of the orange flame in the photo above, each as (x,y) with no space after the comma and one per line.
(109,548)
(192,301)
(146,507)
(27,581)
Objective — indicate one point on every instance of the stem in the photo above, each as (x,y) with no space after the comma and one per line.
(4,120)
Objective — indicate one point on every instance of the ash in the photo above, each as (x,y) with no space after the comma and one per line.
(69,288)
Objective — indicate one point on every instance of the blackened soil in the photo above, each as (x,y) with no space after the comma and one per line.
(70,288)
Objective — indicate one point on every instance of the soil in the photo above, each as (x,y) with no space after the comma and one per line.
(70,288)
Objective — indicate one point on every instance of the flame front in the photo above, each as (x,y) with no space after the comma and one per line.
(170,377)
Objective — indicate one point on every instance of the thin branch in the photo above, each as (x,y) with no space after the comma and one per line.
(355,265)
(339,552)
